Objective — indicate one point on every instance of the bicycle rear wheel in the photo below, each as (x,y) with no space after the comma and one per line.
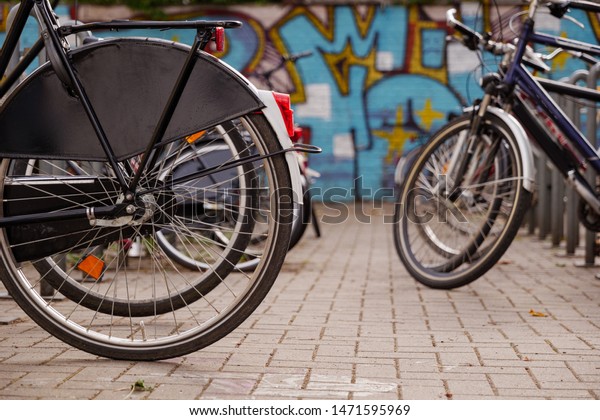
(222,200)
(147,307)
(449,233)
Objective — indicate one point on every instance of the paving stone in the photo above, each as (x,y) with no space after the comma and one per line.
(345,321)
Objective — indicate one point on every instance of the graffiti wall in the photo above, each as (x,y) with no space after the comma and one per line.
(379,79)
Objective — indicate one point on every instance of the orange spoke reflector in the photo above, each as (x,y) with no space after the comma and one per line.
(193,137)
(92,266)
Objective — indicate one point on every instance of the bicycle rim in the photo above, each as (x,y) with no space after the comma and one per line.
(447,241)
(153,279)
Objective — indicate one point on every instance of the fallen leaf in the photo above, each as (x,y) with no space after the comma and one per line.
(138,386)
(538,314)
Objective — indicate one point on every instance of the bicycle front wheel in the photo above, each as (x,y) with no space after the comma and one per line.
(448,232)
(145,306)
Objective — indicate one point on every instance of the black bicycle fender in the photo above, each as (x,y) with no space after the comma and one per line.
(128,81)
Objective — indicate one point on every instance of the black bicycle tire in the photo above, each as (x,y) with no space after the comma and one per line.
(35,306)
(485,261)
(473,251)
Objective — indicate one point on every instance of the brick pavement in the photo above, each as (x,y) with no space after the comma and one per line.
(345,321)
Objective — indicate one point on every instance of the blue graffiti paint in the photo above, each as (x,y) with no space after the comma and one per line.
(362,107)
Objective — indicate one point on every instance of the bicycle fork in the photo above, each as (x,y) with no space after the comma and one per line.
(459,163)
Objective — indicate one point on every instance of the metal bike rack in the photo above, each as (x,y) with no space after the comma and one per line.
(591,132)
(543,209)
(557,193)
(555,213)
(571,225)
(548,214)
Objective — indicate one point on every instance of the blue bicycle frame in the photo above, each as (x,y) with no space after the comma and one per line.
(518,75)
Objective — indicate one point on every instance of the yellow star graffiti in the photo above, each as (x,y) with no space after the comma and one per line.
(428,115)
(340,64)
(397,136)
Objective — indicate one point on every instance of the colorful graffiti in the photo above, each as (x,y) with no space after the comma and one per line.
(380,79)
(376,83)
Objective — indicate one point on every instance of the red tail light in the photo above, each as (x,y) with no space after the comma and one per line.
(285,106)
(297,134)
(219,39)
(306,135)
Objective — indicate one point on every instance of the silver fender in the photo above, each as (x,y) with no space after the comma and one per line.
(514,126)
(522,140)
(273,115)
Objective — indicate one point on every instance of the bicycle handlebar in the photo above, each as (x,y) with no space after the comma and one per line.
(560,7)
(474,40)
